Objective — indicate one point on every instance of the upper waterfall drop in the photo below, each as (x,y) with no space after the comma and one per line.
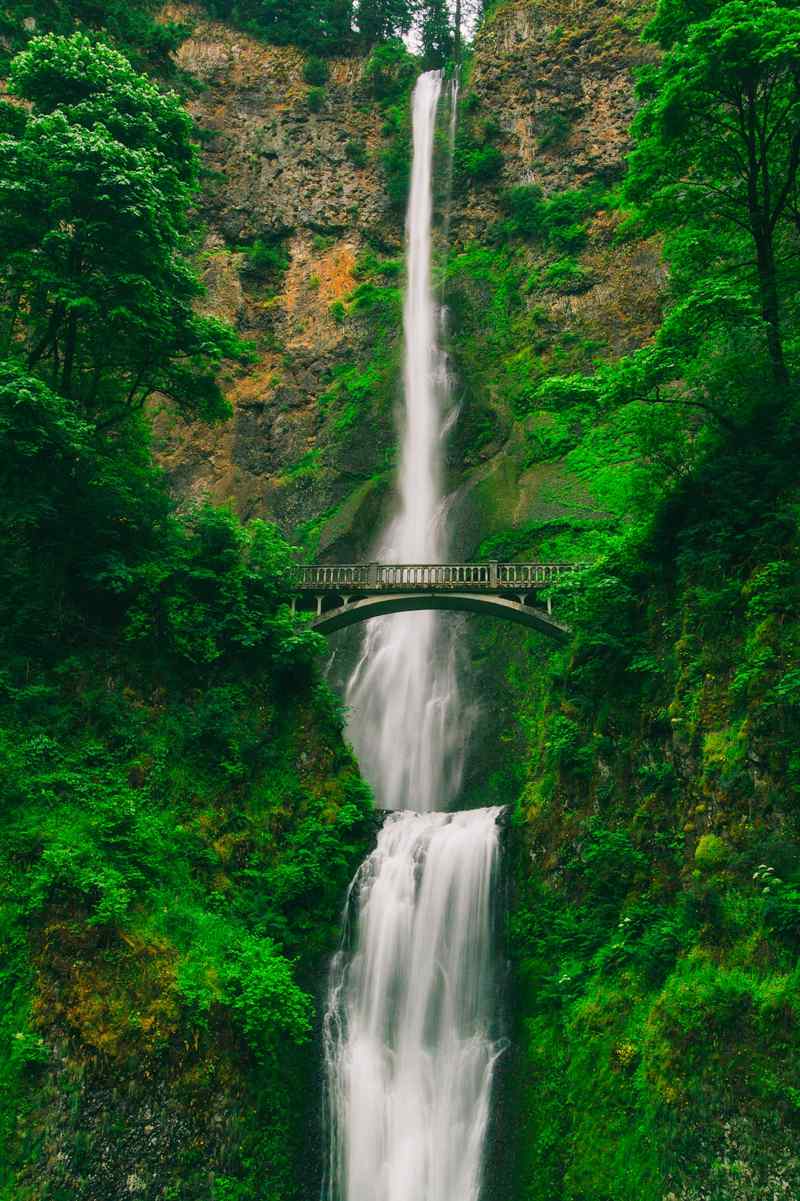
(407,723)
(416,535)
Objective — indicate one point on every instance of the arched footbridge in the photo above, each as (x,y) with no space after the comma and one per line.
(339,596)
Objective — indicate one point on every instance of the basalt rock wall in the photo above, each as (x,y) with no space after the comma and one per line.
(311,441)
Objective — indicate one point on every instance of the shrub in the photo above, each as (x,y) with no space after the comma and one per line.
(315,71)
(315,99)
(526,208)
(781,904)
(266,259)
(391,70)
(480,164)
(566,275)
(609,863)
(396,158)
(356,151)
(558,221)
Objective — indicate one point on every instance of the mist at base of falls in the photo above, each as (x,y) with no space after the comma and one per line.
(410,1035)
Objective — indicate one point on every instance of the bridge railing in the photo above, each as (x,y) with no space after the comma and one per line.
(393,577)
(324,578)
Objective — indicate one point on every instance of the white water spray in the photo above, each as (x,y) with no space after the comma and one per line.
(409,1035)
(409,1048)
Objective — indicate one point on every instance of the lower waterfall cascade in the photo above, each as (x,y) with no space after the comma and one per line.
(410,1030)
(409,1043)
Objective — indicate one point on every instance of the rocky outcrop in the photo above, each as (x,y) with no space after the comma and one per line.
(557,76)
(294,197)
(299,171)
(550,90)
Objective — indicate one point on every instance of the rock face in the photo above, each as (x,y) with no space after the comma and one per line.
(295,197)
(551,88)
(557,77)
(310,444)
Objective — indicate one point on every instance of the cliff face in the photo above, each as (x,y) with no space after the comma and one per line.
(295,202)
(557,76)
(548,104)
(549,93)
(311,441)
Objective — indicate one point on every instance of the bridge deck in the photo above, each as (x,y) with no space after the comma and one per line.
(432,577)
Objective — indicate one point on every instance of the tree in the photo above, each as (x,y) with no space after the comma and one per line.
(96,179)
(324,26)
(380,20)
(718,139)
(136,26)
(436,32)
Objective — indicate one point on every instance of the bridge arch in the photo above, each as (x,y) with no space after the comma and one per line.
(357,611)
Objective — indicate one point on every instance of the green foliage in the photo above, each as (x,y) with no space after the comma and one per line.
(391,71)
(315,71)
(132,26)
(178,804)
(711,852)
(322,26)
(216,592)
(478,164)
(169,830)
(360,393)
(382,21)
(267,260)
(438,37)
(566,275)
(396,156)
(655,921)
(559,221)
(98,297)
(316,99)
(356,151)
(719,138)
(781,904)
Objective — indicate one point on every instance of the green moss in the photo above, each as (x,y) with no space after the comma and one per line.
(711,852)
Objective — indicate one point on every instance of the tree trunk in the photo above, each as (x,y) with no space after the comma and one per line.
(771,309)
(69,355)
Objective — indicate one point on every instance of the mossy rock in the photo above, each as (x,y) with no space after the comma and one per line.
(711,853)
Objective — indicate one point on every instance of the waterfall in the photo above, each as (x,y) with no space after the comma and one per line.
(409,1048)
(409,1037)
(406,721)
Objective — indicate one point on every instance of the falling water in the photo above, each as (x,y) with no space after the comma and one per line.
(407,723)
(410,1043)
